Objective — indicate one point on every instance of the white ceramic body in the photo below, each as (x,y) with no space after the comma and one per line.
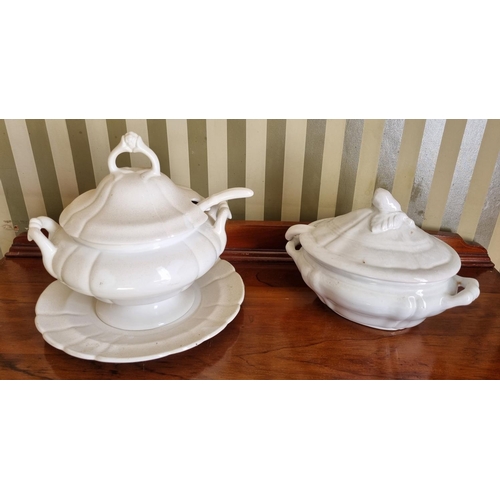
(380,304)
(137,242)
(131,276)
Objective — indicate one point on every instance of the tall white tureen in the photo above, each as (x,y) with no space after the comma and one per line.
(136,244)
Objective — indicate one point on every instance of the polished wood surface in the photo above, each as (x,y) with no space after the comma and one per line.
(282,331)
(264,241)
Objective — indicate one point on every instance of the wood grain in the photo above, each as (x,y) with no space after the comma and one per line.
(282,332)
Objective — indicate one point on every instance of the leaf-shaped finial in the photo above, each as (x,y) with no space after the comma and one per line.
(384,201)
(388,214)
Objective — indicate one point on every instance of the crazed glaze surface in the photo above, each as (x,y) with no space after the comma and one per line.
(135,240)
(375,267)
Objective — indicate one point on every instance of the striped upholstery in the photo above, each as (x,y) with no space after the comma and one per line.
(444,173)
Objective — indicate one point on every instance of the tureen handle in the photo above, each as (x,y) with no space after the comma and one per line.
(46,246)
(293,236)
(469,293)
(297,230)
(133,143)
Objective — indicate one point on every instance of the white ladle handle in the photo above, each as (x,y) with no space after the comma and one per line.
(227,194)
(133,143)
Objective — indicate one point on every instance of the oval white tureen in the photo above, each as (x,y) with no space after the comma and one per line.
(136,241)
(374,266)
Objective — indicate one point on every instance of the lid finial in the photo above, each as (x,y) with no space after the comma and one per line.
(388,214)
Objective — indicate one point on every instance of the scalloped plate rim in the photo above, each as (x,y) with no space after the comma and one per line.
(222,275)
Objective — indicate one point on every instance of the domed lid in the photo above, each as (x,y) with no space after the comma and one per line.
(132,206)
(379,242)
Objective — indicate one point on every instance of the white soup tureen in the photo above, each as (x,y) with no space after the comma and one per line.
(136,243)
(374,266)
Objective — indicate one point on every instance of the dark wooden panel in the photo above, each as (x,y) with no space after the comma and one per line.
(265,241)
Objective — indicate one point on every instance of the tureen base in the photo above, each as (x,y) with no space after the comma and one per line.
(145,317)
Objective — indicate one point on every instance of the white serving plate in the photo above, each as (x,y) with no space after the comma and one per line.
(68,321)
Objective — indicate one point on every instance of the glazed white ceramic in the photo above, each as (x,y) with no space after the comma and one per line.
(375,267)
(67,321)
(137,242)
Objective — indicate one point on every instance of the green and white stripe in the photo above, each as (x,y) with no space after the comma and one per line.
(444,173)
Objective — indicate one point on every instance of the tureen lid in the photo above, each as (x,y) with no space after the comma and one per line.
(131,205)
(380,242)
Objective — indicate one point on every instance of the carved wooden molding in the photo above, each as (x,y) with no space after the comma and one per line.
(265,241)
(21,247)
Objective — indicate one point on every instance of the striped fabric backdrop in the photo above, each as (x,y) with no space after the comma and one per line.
(445,173)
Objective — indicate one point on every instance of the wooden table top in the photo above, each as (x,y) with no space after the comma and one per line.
(283,331)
